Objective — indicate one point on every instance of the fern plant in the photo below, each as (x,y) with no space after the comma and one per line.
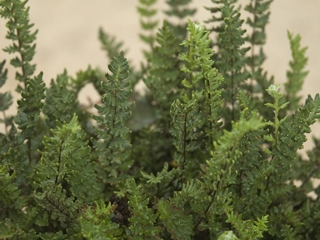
(208,152)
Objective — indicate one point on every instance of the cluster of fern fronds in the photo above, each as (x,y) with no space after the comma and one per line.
(209,152)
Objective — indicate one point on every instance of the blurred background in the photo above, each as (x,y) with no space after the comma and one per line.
(68,37)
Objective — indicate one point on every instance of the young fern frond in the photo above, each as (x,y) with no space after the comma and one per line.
(273,90)
(113,134)
(197,44)
(97,224)
(247,229)
(296,75)
(19,31)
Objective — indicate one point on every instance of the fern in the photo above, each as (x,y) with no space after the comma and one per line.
(142,219)
(259,11)
(109,44)
(64,178)
(296,76)
(184,128)
(147,22)
(114,147)
(61,103)
(210,151)
(29,108)
(96,222)
(19,31)
(5,98)
(181,10)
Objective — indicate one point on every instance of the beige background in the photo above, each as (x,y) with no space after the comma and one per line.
(68,36)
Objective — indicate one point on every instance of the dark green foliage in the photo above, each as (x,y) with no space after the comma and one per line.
(5,98)
(208,152)
(231,56)
(258,80)
(30,105)
(112,141)
(142,219)
(19,31)
(60,101)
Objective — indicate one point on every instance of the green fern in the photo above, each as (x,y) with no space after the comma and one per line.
(181,10)
(148,24)
(19,31)
(109,44)
(6,98)
(114,147)
(297,74)
(260,13)
(210,151)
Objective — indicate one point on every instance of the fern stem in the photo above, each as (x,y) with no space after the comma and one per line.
(184,141)
(59,162)
(208,207)
(191,68)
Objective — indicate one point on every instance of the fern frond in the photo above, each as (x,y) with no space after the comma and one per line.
(5,98)
(260,17)
(185,126)
(175,221)
(96,222)
(66,161)
(109,44)
(114,146)
(230,58)
(297,74)
(28,117)
(19,32)
(181,10)
(9,192)
(61,101)
(147,13)
(142,217)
